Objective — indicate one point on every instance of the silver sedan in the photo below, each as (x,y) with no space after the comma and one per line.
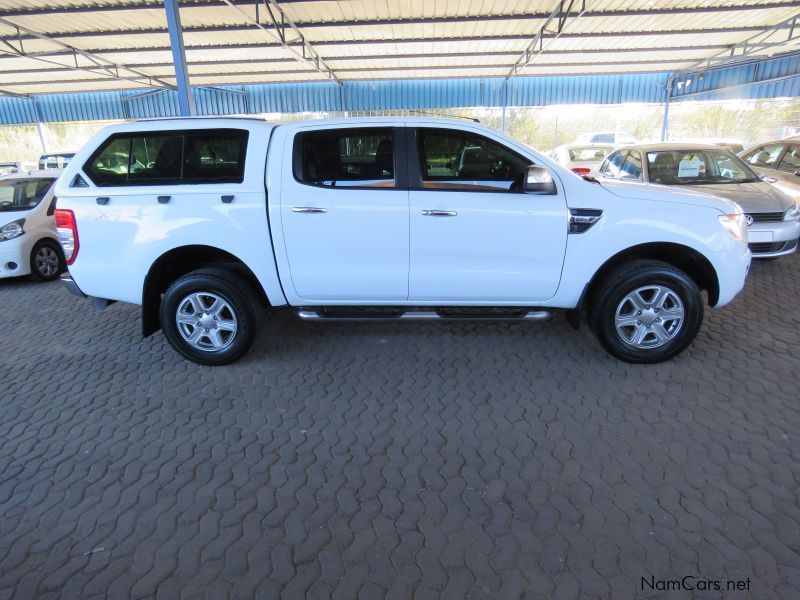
(778,163)
(773,217)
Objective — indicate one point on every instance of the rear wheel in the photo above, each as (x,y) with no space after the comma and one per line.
(209,316)
(647,312)
(47,262)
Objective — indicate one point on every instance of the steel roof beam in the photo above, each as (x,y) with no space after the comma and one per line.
(373,57)
(559,19)
(25,12)
(281,26)
(15,94)
(744,50)
(102,65)
(358,41)
(375,69)
(365,57)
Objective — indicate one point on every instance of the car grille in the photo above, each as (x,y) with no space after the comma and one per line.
(766,217)
(772,247)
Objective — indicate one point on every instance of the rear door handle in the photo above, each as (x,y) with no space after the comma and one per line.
(439,213)
(164,199)
(102,200)
(309,209)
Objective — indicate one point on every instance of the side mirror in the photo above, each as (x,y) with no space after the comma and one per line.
(539,180)
(797,173)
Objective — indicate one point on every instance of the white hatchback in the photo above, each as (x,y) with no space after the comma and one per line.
(28,241)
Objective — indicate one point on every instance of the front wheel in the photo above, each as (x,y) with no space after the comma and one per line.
(209,316)
(647,311)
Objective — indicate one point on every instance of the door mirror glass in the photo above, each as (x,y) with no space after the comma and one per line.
(539,180)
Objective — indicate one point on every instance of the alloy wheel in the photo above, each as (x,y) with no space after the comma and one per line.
(206,321)
(649,316)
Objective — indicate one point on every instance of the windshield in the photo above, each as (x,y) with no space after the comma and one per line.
(589,154)
(22,194)
(693,167)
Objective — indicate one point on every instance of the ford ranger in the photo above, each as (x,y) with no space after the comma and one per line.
(208,223)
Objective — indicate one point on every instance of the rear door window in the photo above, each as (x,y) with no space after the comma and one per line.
(338,158)
(791,160)
(171,158)
(765,156)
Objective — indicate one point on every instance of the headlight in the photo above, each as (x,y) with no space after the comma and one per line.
(792,213)
(736,226)
(12,230)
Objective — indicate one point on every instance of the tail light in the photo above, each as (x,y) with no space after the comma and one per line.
(581,170)
(67,231)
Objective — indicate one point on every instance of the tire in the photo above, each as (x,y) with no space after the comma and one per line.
(217,312)
(47,261)
(659,307)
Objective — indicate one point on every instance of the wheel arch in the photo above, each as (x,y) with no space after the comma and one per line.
(178,262)
(685,258)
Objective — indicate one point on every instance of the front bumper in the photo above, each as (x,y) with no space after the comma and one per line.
(769,240)
(14,259)
(732,269)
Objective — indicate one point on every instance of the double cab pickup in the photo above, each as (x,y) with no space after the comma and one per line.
(208,223)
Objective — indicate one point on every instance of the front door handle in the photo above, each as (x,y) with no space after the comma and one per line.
(164,199)
(439,213)
(309,209)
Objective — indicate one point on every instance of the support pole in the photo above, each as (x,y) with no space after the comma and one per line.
(185,99)
(42,140)
(39,129)
(505,101)
(665,124)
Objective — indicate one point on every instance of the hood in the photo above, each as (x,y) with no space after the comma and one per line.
(755,197)
(636,190)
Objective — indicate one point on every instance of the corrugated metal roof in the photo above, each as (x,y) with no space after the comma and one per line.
(399,54)
(422,38)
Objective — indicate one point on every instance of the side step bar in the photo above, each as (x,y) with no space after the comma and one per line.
(423,315)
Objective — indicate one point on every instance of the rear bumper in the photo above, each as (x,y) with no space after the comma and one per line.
(70,284)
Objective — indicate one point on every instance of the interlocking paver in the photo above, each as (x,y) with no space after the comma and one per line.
(396,460)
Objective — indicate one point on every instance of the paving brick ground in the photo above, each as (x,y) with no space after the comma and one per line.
(367,460)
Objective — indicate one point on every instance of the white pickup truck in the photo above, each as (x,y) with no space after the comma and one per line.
(209,222)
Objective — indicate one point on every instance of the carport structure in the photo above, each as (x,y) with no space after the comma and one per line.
(356,54)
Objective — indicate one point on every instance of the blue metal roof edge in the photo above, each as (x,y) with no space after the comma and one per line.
(781,77)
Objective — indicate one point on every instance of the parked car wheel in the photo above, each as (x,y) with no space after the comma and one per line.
(209,316)
(647,311)
(47,261)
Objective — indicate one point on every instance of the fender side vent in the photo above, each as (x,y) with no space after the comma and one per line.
(581,219)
